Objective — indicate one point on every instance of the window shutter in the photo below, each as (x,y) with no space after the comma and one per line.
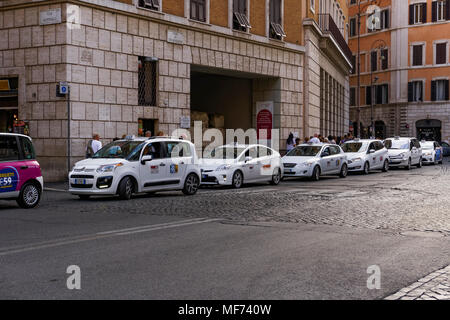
(446,89)
(424,13)
(410,92)
(433,90)
(385,62)
(373,60)
(417,55)
(411,14)
(387,17)
(447,10)
(368,95)
(379,92)
(434,11)
(441,53)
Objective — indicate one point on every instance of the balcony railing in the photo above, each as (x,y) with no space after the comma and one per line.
(327,25)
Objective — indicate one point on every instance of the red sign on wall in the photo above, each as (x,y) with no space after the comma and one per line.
(264,122)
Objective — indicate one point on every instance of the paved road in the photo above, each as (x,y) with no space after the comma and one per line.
(300,240)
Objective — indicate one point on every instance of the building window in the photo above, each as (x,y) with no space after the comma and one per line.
(439,10)
(353,70)
(384,59)
(439,90)
(276,29)
(149,4)
(418,13)
(240,17)
(352,27)
(415,91)
(382,94)
(373,60)
(384,19)
(352,97)
(147,81)
(441,53)
(198,10)
(368,95)
(417,55)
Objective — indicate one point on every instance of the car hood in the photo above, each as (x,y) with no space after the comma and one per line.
(287,159)
(396,152)
(95,163)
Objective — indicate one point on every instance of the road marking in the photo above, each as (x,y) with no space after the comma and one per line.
(102,235)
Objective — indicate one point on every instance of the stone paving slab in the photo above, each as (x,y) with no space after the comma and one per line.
(435,286)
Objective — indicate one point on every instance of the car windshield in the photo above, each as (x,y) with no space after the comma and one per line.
(119,149)
(225,153)
(304,151)
(397,144)
(427,145)
(353,147)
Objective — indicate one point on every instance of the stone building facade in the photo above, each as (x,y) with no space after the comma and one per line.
(99,46)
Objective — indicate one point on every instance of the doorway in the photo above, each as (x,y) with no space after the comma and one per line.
(429,130)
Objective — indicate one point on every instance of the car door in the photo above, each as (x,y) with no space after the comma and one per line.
(252,167)
(418,150)
(153,174)
(372,157)
(382,153)
(326,160)
(266,163)
(10,166)
(178,157)
(414,152)
(337,157)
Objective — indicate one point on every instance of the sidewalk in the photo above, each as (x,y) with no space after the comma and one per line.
(56,186)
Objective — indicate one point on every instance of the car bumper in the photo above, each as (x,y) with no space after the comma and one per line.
(427,159)
(100,185)
(398,162)
(357,166)
(298,172)
(217,178)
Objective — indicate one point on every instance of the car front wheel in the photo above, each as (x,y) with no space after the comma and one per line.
(191,184)
(238,180)
(316,174)
(366,169)
(419,164)
(276,177)
(126,188)
(386,166)
(29,196)
(344,171)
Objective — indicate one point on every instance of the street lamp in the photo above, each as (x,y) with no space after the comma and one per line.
(364,6)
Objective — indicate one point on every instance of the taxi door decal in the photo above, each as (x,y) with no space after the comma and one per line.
(9,177)
(154,169)
(173,168)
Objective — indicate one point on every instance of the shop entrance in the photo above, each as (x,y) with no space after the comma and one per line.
(380,130)
(9,121)
(429,129)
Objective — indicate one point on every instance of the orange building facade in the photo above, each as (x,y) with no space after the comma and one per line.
(158,65)
(404,69)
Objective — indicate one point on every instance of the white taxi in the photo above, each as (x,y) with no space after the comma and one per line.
(432,152)
(137,165)
(314,160)
(233,165)
(365,155)
(404,152)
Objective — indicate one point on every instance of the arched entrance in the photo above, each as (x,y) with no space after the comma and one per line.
(380,130)
(429,129)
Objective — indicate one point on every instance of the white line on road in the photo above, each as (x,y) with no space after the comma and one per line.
(102,235)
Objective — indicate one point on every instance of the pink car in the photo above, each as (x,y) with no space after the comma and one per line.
(20,173)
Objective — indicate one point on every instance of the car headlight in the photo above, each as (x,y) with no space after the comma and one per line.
(223,167)
(401,155)
(356,160)
(108,167)
(307,164)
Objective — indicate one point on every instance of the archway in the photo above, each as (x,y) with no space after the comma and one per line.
(429,129)
(380,130)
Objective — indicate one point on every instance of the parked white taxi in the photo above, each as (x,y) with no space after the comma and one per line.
(315,160)
(137,165)
(365,155)
(234,165)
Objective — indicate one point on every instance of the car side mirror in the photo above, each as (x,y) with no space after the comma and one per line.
(325,154)
(146,159)
(372,151)
(247,159)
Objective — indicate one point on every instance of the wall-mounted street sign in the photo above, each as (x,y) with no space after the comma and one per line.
(175,37)
(62,89)
(52,16)
(185,122)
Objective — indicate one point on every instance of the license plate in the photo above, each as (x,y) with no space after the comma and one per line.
(80,181)
(288,171)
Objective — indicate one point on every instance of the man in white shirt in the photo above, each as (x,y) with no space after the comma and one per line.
(314,140)
(96,144)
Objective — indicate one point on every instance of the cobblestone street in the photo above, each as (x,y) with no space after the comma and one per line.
(398,219)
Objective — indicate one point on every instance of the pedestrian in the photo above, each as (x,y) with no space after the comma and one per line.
(290,143)
(298,141)
(148,134)
(315,139)
(93,145)
(160,134)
